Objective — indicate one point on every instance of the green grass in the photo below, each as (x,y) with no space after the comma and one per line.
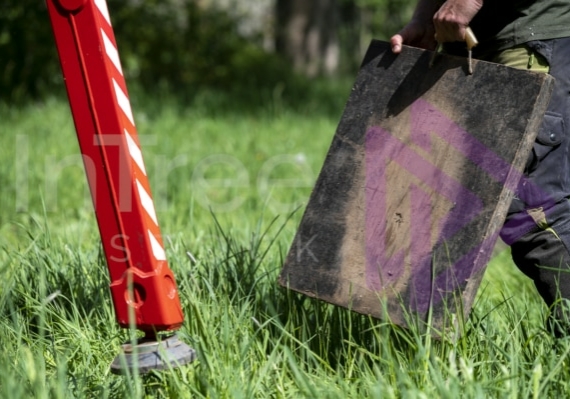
(226,185)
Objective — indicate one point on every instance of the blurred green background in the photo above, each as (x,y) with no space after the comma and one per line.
(184,46)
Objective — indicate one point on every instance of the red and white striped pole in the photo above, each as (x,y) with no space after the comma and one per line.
(143,287)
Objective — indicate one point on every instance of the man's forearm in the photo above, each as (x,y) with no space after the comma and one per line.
(424,11)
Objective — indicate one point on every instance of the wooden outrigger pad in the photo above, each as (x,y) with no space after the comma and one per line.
(407,208)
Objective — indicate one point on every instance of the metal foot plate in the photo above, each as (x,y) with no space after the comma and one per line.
(150,354)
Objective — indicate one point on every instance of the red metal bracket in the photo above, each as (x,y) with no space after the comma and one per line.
(141,280)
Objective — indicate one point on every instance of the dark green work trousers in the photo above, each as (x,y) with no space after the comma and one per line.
(538,222)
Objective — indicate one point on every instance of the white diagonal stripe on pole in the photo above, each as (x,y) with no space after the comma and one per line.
(123,101)
(135,152)
(102,6)
(157,249)
(147,202)
(111,51)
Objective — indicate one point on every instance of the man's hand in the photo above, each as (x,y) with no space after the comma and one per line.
(431,24)
(453,17)
(420,30)
(418,34)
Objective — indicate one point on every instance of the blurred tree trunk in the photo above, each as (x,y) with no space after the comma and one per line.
(307,33)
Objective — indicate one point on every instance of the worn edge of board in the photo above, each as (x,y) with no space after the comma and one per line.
(507,194)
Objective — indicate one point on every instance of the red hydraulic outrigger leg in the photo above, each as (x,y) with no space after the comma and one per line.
(143,287)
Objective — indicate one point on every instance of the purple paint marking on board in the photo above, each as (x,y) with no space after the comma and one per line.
(383,148)
(427,119)
(380,147)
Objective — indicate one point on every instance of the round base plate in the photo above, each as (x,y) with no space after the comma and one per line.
(150,354)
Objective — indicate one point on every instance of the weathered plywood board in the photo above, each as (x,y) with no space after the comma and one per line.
(416,185)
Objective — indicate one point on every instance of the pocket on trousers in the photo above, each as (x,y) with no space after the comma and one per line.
(550,136)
